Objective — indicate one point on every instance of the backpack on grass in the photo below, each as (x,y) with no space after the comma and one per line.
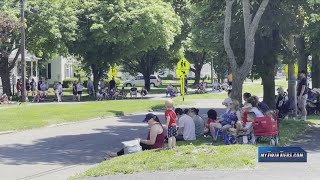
(131,146)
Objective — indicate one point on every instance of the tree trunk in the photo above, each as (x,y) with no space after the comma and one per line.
(237,83)
(292,79)
(302,57)
(268,86)
(197,75)
(315,71)
(5,76)
(147,71)
(5,80)
(96,77)
(251,24)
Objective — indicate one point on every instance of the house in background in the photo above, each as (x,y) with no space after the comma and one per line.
(58,69)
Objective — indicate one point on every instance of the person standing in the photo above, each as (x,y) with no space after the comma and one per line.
(74,90)
(59,92)
(112,84)
(302,95)
(18,87)
(79,87)
(171,122)
(90,87)
(33,86)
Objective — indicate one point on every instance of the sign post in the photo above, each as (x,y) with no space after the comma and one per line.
(113,72)
(183,67)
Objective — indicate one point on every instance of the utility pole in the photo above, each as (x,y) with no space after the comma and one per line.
(212,71)
(292,79)
(23,60)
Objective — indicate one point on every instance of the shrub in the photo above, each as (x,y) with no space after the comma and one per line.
(67,83)
(170,77)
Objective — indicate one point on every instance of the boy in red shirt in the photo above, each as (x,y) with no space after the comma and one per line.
(171,121)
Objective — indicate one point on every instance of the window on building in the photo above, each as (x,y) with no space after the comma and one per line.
(49,71)
(68,71)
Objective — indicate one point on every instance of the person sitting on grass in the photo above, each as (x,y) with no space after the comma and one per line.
(186,127)
(155,139)
(133,91)
(243,125)
(253,100)
(228,119)
(246,128)
(123,92)
(210,125)
(198,122)
(143,92)
(171,122)
(227,101)
(170,90)
(246,96)
(4,99)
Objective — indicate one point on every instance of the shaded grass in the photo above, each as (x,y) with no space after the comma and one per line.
(183,157)
(27,116)
(196,155)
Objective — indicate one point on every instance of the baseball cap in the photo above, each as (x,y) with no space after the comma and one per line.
(148,117)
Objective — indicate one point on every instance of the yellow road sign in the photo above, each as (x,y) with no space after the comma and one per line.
(286,69)
(183,66)
(113,72)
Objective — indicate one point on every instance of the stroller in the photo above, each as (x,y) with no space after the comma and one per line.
(284,106)
(267,127)
(313,102)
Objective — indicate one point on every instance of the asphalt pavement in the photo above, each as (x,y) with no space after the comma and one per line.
(60,151)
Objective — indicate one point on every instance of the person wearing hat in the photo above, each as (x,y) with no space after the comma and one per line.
(155,139)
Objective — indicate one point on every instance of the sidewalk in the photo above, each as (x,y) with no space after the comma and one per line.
(58,152)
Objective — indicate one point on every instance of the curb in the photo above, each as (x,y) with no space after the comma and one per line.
(7,132)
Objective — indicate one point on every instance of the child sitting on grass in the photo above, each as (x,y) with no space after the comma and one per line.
(210,129)
(246,128)
(171,122)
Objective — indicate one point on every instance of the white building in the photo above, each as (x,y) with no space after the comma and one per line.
(58,69)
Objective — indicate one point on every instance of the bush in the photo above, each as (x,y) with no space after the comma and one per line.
(67,83)
(170,77)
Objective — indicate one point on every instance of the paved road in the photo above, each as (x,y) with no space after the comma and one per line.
(59,152)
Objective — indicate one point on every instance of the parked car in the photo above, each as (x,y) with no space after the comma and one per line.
(155,81)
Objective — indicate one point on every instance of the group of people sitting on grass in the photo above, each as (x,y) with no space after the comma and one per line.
(39,90)
(188,125)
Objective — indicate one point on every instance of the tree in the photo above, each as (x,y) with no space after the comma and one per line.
(140,29)
(251,23)
(9,25)
(205,38)
(50,24)
(95,57)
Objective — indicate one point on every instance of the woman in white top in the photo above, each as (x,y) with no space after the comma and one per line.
(59,92)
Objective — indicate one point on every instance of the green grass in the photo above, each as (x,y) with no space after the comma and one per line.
(183,157)
(289,130)
(196,155)
(30,116)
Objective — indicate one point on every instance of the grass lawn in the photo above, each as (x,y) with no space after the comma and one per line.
(193,155)
(30,116)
